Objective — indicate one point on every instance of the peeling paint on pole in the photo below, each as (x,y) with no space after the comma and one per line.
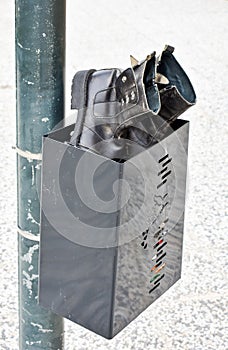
(40,56)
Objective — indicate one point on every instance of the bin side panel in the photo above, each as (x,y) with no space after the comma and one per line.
(78,245)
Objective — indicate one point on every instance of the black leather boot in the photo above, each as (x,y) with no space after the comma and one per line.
(111,106)
(118,110)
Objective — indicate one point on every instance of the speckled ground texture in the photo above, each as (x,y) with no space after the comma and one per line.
(192,314)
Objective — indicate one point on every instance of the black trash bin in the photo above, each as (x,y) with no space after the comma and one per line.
(111,232)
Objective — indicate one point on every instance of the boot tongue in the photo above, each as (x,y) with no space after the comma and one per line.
(150,84)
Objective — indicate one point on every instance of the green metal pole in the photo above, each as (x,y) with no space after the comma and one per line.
(40,60)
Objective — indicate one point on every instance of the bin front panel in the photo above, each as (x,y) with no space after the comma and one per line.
(150,262)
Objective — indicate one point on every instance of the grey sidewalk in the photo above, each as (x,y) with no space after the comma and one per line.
(192,314)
